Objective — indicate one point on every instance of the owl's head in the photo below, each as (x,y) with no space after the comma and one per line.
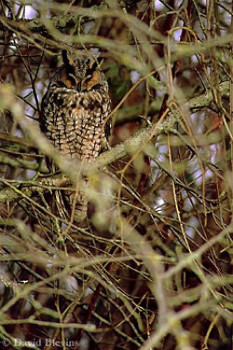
(80,74)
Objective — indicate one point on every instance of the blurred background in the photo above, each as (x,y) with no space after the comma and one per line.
(152,267)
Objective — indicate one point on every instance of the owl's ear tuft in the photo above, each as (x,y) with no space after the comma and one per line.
(95,63)
(67,58)
(100,61)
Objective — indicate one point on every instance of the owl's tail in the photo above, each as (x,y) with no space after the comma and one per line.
(71,206)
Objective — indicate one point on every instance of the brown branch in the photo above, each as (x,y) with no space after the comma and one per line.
(130,146)
(21,163)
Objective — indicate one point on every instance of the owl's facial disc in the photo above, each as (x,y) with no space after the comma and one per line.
(81,74)
(68,79)
(92,78)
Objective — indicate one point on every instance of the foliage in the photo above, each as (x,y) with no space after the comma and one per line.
(152,266)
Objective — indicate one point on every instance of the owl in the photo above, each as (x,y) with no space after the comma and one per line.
(75,110)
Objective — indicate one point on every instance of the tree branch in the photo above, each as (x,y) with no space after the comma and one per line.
(130,146)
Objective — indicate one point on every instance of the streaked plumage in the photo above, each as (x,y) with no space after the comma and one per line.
(75,109)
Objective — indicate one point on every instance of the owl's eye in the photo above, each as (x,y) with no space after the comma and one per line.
(67,78)
(90,70)
(72,77)
(92,80)
(92,77)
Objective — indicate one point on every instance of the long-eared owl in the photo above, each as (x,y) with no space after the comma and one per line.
(75,109)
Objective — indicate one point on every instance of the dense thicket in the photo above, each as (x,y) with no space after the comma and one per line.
(152,266)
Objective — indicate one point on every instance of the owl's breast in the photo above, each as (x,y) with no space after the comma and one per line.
(75,122)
